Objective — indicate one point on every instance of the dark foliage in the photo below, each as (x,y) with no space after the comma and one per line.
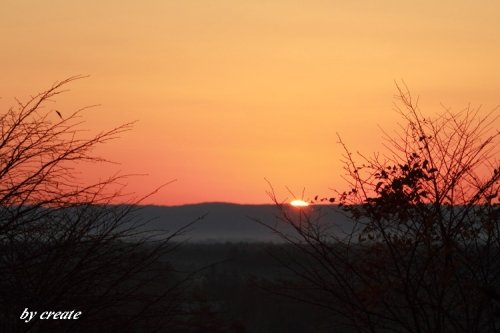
(422,252)
(64,246)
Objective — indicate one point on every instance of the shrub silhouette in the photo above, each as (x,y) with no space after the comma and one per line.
(421,252)
(64,244)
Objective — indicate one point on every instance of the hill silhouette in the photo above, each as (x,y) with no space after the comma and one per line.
(223,222)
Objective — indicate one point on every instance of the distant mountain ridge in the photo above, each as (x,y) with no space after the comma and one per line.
(223,222)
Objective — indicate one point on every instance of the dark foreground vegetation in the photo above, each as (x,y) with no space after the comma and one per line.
(213,287)
(261,287)
(236,290)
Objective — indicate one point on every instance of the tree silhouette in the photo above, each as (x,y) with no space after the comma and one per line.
(64,244)
(420,253)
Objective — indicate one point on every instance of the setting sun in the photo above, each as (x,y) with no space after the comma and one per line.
(299,203)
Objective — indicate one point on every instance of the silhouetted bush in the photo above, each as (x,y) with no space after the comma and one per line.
(64,244)
(422,251)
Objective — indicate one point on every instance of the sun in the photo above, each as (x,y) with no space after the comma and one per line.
(299,203)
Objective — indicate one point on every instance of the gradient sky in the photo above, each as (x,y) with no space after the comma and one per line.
(227,92)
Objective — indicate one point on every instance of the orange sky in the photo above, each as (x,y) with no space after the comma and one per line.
(228,92)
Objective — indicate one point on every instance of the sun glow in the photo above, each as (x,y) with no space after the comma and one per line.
(299,203)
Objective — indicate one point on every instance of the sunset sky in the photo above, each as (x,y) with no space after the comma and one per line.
(229,92)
